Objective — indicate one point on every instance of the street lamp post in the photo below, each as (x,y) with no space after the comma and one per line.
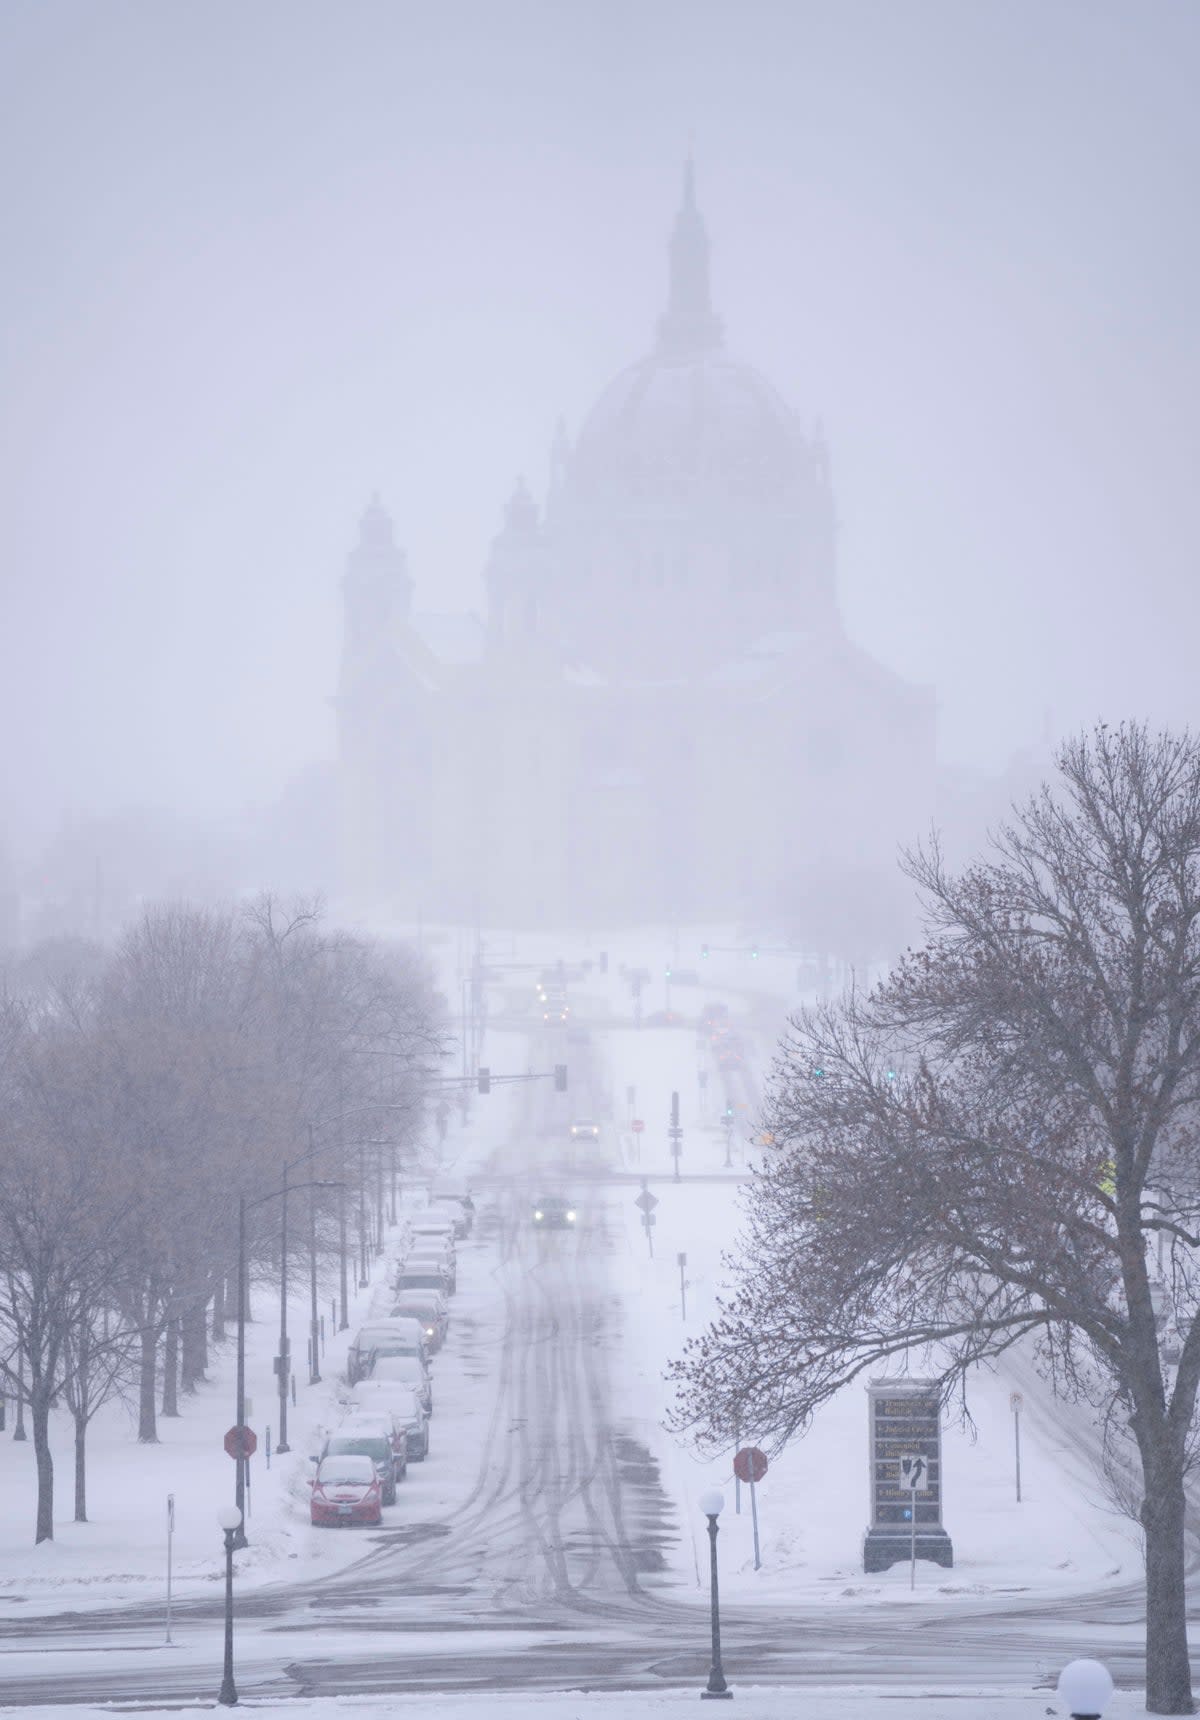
(230,1519)
(716,1689)
(245,1206)
(343,1272)
(282,1362)
(363,1279)
(314,1322)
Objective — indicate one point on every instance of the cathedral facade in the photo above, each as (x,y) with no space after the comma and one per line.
(662,718)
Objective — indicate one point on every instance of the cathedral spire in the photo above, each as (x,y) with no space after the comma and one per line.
(689,326)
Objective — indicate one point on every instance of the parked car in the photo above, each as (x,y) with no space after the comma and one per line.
(428,1307)
(422,1278)
(408,1371)
(554,1212)
(431,1223)
(346,1489)
(370,1438)
(458,1215)
(402,1335)
(457,1192)
(402,1402)
(434,1257)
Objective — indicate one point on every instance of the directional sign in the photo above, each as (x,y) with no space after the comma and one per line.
(241,1442)
(1016,1402)
(646,1201)
(750,1464)
(637,1125)
(914,1469)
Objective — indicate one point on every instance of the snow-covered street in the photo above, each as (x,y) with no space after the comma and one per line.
(553,1540)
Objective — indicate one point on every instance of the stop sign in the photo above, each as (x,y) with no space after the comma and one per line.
(637,1125)
(241,1442)
(750,1464)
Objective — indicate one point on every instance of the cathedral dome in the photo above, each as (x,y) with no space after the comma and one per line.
(689,419)
(678,424)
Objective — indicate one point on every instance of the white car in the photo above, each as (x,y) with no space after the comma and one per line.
(407,1371)
(402,1401)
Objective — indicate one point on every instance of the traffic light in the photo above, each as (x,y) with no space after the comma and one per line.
(729,1111)
(560,1077)
(818,1073)
(704,952)
(484,1080)
(668,973)
(753,952)
(890,1075)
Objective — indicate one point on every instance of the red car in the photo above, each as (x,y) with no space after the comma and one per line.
(347,1489)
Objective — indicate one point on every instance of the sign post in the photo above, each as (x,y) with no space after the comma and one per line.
(675,1133)
(170,1538)
(750,1465)
(906,1503)
(912,1469)
(1016,1403)
(681,1260)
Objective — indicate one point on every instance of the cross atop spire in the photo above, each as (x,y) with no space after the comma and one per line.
(689,325)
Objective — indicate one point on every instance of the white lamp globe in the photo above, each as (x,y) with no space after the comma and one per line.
(712,1503)
(1085,1686)
(229,1517)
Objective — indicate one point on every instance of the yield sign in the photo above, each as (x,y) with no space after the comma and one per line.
(646,1201)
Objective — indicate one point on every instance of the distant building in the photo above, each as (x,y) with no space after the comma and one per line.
(662,718)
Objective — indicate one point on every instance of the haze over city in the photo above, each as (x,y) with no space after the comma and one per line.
(600,857)
(266,260)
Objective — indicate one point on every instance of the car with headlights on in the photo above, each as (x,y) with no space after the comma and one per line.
(554,1212)
(430,1308)
(346,1489)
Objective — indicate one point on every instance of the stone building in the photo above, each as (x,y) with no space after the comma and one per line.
(662,718)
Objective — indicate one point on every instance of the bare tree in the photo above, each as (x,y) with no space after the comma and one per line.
(97,1367)
(1001,1141)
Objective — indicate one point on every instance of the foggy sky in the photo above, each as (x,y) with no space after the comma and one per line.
(261,259)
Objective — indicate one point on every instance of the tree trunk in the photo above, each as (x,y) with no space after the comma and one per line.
(80,1469)
(1168,1673)
(194,1352)
(147,1425)
(39,1417)
(170,1383)
(218,1313)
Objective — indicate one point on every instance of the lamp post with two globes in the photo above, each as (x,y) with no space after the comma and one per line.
(712,1504)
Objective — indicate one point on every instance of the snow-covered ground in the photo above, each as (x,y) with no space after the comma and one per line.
(752,1702)
(120,1554)
(1062,1539)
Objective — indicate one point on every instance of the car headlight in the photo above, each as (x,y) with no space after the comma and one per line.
(570,1218)
(537,1215)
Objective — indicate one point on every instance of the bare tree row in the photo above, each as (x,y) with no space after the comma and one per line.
(143,1093)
